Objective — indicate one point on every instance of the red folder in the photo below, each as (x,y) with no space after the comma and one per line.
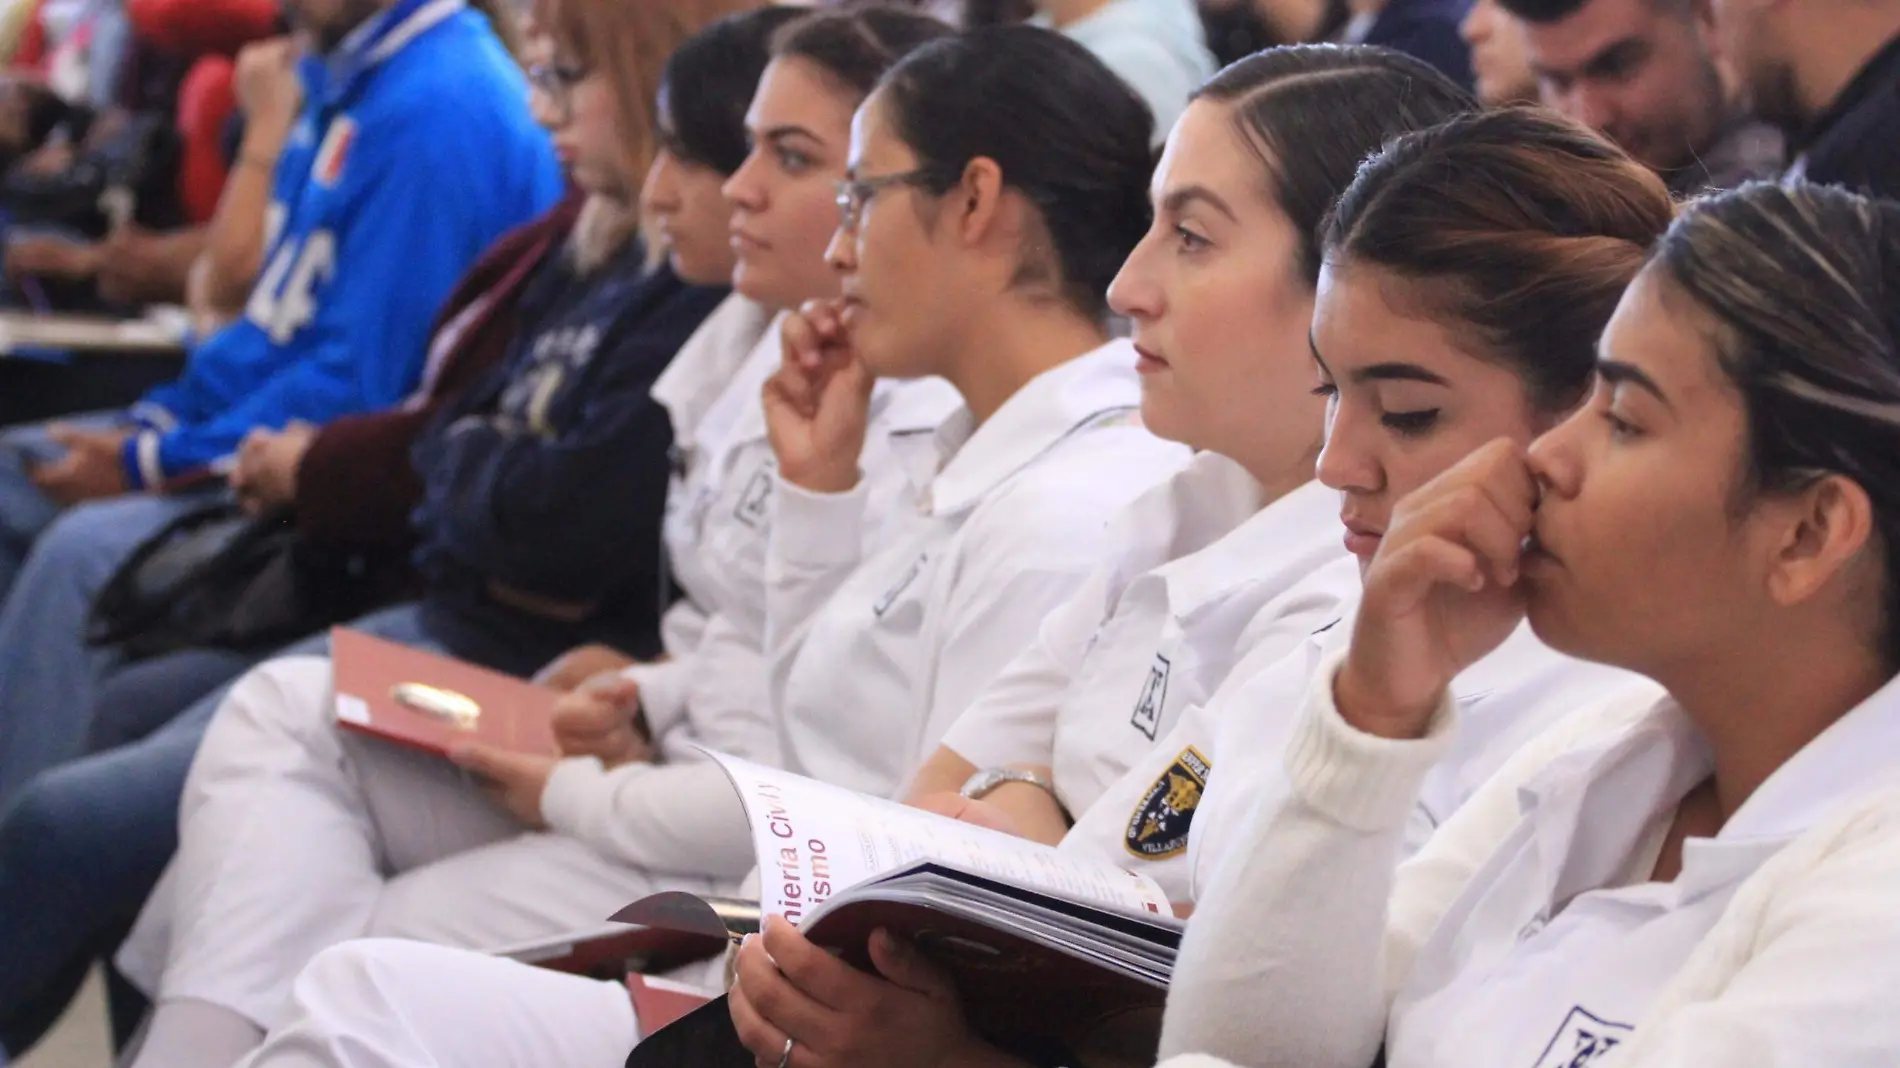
(431,702)
(657,1002)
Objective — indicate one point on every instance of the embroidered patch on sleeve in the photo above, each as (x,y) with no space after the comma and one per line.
(1159,827)
(755,500)
(1154,696)
(1581,1039)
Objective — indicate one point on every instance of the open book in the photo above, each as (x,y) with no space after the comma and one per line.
(1053,954)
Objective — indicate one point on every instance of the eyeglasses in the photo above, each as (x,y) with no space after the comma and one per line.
(855,193)
(557,81)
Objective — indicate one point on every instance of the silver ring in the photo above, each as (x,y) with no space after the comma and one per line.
(786,1057)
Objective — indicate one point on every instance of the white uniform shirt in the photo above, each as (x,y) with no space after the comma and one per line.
(1503,700)
(875,655)
(1157,628)
(1561,943)
(712,690)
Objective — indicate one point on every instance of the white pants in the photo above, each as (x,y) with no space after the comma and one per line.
(295,836)
(380,1003)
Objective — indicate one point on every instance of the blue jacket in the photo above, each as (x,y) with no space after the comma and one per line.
(414,152)
(548,478)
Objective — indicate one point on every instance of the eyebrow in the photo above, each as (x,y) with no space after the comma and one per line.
(1617,373)
(1178,199)
(1390,371)
(1609,60)
(780,133)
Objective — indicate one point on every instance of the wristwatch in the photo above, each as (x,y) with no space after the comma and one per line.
(985,782)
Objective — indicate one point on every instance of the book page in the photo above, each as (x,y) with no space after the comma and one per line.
(815,840)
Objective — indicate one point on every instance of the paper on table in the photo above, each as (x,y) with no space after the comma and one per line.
(815,840)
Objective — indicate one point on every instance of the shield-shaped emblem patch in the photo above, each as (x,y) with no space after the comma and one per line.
(1159,826)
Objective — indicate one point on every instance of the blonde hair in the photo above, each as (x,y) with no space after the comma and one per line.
(628,42)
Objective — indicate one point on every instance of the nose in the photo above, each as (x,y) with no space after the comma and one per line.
(1134,292)
(661,189)
(541,107)
(1592,108)
(744,189)
(1477,24)
(842,252)
(1555,457)
(1346,463)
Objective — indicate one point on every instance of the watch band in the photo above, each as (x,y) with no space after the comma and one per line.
(986,782)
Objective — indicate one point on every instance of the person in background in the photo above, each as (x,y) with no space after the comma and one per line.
(335,324)
(1237,29)
(1157,46)
(509,424)
(1827,73)
(1424,29)
(1647,75)
(1500,61)
(1710,876)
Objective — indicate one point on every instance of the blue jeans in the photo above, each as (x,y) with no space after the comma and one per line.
(47,672)
(24,510)
(83,844)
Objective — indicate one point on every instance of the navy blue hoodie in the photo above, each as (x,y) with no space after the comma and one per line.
(544,485)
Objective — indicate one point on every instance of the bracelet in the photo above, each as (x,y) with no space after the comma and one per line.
(986,781)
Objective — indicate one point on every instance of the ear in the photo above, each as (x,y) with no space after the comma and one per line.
(1823,530)
(975,203)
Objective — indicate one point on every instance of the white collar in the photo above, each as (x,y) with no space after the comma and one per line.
(957,464)
(1280,531)
(736,333)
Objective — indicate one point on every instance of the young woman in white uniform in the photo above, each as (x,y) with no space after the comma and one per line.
(1415,387)
(998,180)
(296,835)
(677,814)
(1236,555)
(1709,877)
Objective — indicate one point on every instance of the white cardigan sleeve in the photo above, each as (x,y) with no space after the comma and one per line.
(1302,891)
(1282,962)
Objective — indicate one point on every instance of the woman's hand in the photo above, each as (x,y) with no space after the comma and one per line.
(954,805)
(515,780)
(1442,591)
(268,464)
(839,1017)
(567,671)
(817,404)
(601,718)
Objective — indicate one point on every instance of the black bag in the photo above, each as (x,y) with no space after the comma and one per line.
(132,175)
(218,578)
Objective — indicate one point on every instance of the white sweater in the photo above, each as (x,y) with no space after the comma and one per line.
(1302,943)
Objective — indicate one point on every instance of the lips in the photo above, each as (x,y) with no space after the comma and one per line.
(1362,540)
(743,240)
(1149,361)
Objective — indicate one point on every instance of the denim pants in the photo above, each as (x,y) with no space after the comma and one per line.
(48,674)
(24,510)
(83,844)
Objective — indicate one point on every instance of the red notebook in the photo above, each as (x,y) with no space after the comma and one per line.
(431,702)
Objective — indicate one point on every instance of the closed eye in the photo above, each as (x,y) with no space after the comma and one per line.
(1410,422)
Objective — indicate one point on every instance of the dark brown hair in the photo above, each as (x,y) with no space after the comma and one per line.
(854,46)
(1802,287)
(1361,96)
(1516,229)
